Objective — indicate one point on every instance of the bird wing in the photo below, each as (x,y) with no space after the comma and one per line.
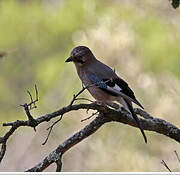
(114,86)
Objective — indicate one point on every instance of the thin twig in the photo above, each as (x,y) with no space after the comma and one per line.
(165,165)
(32,102)
(30,98)
(76,95)
(93,114)
(31,122)
(84,88)
(177,155)
(50,129)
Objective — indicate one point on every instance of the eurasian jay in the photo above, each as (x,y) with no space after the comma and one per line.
(102,82)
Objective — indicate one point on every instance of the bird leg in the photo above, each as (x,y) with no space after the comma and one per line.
(99,103)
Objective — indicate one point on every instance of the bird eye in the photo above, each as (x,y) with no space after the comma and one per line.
(79,59)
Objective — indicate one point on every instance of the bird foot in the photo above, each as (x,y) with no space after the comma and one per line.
(100,103)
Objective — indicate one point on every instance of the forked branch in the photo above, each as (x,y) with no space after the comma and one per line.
(105,114)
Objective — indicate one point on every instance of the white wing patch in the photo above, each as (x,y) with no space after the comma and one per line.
(116,87)
(113,90)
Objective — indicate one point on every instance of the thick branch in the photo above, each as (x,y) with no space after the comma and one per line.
(67,144)
(106,115)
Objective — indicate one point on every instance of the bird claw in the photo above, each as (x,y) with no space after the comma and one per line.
(99,103)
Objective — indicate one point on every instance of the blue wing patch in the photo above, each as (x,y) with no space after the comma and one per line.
(97,81)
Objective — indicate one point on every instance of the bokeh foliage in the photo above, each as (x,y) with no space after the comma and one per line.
(140,39)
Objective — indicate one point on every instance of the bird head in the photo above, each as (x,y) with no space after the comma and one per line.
(80,55)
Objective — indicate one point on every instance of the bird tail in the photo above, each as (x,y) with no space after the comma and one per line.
(136,119)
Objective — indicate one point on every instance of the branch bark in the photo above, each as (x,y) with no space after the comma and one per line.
(105,115)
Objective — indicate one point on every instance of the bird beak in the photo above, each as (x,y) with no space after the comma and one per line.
(69,59)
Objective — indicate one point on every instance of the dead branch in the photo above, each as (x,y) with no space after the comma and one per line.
(106,114)
(165,165)
(177,156)
(56,155)
(50,129)
(93,114)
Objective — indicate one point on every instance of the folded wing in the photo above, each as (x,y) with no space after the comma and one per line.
(114,87)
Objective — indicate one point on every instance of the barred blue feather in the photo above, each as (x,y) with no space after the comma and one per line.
(97,81)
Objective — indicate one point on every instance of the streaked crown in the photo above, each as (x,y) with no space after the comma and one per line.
(80,51)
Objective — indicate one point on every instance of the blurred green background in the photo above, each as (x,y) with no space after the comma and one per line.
(139,38)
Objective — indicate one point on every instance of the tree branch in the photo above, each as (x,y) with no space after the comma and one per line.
(165,165)
(105,115)
(67,144)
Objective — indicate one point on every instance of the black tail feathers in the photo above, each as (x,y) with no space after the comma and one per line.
(136,119)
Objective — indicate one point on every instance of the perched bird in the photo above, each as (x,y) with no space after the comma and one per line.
(102,82)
